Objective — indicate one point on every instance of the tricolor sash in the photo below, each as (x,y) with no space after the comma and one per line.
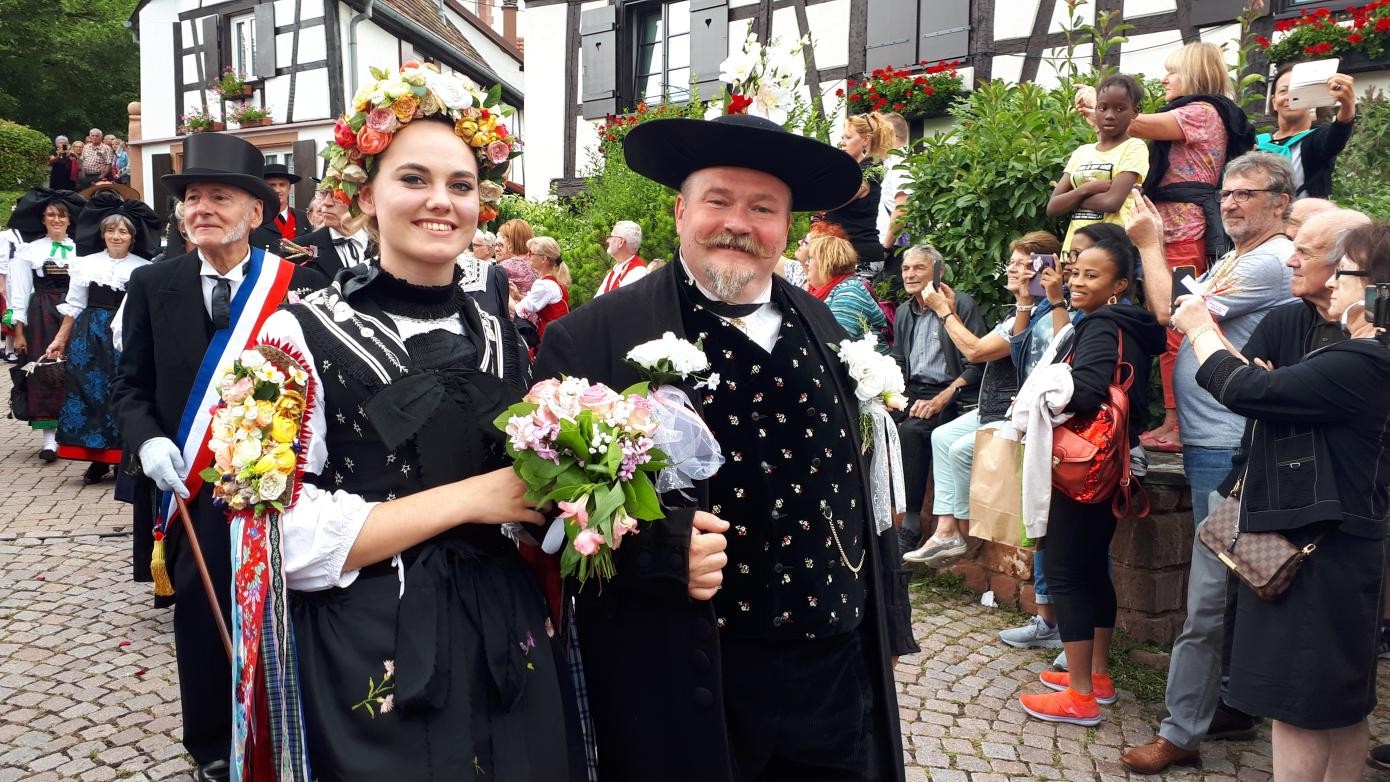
(264,288)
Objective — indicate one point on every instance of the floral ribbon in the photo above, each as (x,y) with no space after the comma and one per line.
(886,467)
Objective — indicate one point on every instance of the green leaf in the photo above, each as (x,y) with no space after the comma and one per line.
(493,96)
(210,474)
(640,498)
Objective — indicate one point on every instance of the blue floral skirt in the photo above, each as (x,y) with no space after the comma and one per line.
(86,429)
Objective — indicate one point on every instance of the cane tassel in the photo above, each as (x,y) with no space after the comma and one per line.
(159,571)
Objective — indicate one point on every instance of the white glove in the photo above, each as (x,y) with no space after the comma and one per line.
(163,463)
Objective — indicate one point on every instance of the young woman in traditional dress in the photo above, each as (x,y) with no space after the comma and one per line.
(38,284)
(424,647)
(127,229)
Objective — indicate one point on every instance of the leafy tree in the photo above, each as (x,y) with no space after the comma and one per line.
(1359,179)
(69,65)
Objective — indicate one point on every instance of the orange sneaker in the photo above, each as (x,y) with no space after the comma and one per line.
(1066,706)
(1101,686)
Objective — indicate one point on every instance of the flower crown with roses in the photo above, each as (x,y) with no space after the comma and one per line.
(397,98)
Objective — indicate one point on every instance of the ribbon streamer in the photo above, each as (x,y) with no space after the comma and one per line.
(886,467)
(685,438)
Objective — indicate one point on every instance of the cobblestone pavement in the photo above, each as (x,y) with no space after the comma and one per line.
(88,689)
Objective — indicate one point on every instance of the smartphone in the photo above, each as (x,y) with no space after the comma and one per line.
(938,270)
(1181,273)
(1040,262)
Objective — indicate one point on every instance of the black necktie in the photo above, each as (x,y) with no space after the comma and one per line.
(352,248)
(221,303)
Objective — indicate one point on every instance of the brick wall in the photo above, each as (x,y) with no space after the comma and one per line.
(1149,568)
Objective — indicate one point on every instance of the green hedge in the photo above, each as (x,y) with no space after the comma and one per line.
(23,157)
(1359,180)
(7,202)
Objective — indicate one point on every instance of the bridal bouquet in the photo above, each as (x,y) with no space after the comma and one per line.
(879,387)
(589,449)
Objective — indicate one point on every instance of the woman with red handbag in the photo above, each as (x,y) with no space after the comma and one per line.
(1114,341)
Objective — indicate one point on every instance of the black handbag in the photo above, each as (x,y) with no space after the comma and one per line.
(19,393)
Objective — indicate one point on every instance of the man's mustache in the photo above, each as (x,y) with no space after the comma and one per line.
(728,240)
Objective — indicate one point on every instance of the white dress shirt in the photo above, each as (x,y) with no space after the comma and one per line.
(762,325)
(359,239)
(209,274)
(96,269)
(28,263)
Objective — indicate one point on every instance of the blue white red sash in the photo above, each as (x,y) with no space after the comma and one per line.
(263,289)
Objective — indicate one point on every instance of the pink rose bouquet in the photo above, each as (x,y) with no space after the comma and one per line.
(590,450)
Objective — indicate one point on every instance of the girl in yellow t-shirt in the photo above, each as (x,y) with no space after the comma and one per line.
(1100,178)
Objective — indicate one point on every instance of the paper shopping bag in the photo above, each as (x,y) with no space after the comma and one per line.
(996,489)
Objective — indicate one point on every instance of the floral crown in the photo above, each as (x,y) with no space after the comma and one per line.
(397,98)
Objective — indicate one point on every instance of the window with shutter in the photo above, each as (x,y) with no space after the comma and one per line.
(890,42)
(902,33)
(598,30)
(943,32)
(264,55)
(661,51)
(212,48)
(709,44)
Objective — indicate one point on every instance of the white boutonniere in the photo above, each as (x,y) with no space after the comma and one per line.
(879,387)
(669,360)
(682,434)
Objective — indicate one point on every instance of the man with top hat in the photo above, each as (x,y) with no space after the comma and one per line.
(761,617)
(287,222)
(184,319)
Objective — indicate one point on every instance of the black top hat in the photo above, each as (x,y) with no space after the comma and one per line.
(27,217)
(145,242)
(280,170)
(228,160)
(669,150)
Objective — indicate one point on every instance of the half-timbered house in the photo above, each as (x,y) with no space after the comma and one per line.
(614,53)
(305,59)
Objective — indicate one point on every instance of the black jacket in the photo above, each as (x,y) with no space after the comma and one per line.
(648,648)
(1318,153)
(328,261)
(906,320)
(267,237)
(1096,349)
(1321,445)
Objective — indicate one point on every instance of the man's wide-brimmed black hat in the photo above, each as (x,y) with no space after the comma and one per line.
(227,160)
(669,150)
(27,217)
(145,242)
(281,170)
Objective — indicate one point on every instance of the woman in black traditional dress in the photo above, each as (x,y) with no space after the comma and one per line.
(425,648)
(38,283)
(868,138)
(97,280)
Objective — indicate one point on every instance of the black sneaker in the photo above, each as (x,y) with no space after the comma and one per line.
(1383,647)
(1379,757)
(907,541)
(1230,724)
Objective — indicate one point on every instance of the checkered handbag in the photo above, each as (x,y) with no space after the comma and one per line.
(1264,561)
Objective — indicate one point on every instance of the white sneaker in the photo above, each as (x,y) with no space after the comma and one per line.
(1034,635)
(937,550)
(1061,662)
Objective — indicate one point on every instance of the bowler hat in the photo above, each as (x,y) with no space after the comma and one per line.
(227,160)
(669,150)
(280,170)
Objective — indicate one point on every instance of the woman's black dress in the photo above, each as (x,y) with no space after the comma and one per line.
(859,219)
(476,686)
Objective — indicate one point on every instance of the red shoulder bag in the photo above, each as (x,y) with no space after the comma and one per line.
(1090,453)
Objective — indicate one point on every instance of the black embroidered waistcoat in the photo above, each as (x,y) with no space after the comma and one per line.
(789,487)
(403,415)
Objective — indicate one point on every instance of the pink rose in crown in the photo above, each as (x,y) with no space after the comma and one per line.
(599,398)
(372,141)
(382,120)
(587,542)
(498,152)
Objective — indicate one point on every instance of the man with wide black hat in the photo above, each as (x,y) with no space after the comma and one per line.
(184,318)
(750,634)
(287,221)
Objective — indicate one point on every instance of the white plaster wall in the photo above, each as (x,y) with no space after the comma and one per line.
(494,57)
(544,85)
(1014,20)
(828,22)
(157,86)
(1137,8)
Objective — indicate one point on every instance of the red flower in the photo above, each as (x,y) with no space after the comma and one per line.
(1383,24)
(1318,48)
(343,135)
(898,106)
(839,93)
(1322,12)
(851,83)
(919,81)
(855,98)
(928,90)
(1262,41)
(1355,38)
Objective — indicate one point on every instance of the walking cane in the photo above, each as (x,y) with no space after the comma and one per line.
(203,572)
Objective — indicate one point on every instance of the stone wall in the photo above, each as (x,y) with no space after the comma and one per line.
(1149,561)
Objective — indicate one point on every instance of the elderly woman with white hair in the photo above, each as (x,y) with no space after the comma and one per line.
(126,231)
(484,246)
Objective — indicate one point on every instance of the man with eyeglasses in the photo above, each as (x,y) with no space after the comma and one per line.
(628,267)
(1243,287)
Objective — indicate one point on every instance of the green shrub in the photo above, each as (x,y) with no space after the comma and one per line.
(23,157)
(986,181)
(8,198)
(1359,181)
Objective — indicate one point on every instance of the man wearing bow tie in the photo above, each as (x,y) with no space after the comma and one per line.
(341,243)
